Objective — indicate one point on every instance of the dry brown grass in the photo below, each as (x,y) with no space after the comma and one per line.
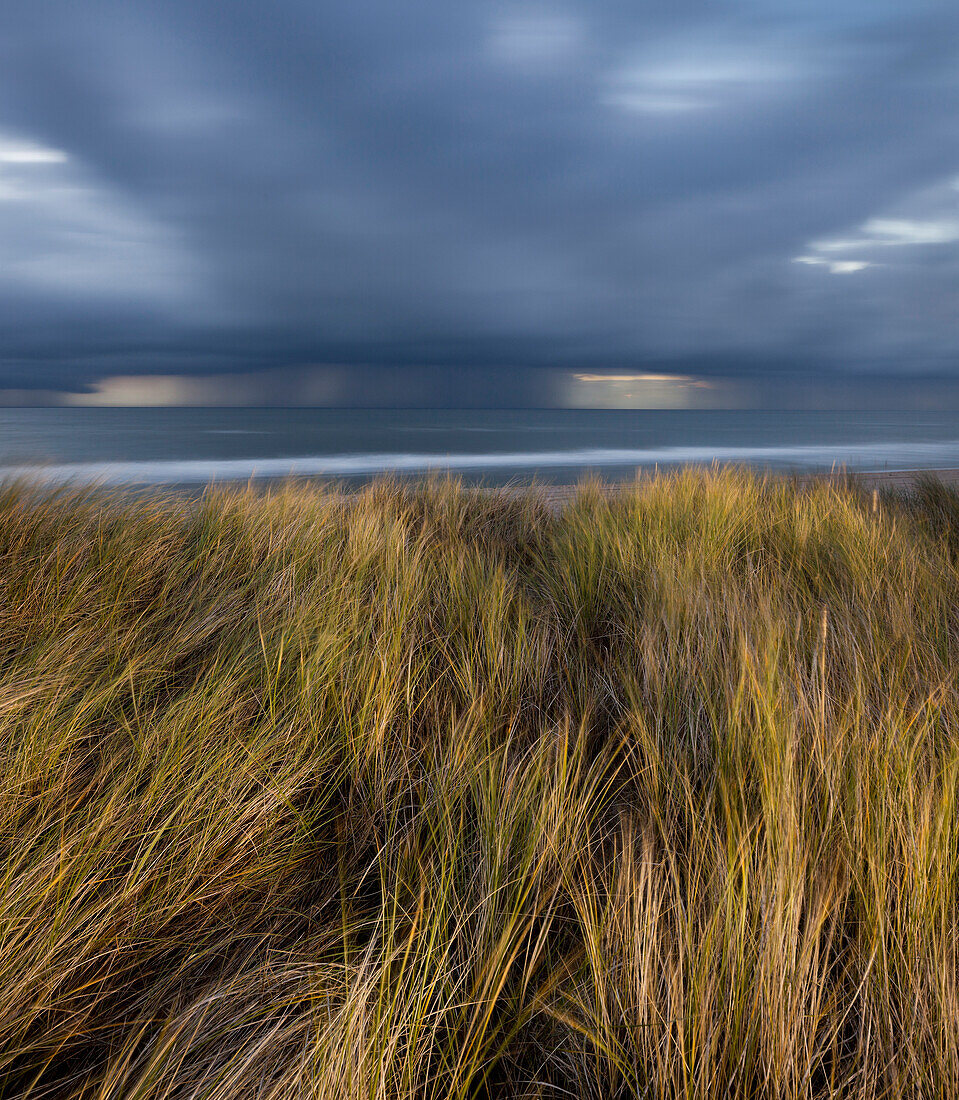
(437,794)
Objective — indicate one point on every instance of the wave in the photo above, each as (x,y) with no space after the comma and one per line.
(806,456)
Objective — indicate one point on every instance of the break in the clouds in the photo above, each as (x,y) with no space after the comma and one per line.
(67,233)
(188,187)
(926,221)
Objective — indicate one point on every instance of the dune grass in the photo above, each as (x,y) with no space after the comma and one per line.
(430,793)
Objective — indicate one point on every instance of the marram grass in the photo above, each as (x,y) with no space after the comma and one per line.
(429,793)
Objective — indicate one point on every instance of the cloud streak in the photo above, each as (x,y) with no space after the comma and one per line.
(504,185)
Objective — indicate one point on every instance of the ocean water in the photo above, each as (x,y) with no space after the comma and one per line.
(171,446)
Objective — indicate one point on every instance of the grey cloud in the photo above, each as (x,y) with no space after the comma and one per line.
(254,186)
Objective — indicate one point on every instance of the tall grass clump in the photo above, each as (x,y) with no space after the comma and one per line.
(428,792)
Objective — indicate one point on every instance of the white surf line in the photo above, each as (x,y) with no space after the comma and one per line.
(345,465)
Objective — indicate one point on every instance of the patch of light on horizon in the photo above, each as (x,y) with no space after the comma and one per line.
(145,390)
(674,379)
(642,390)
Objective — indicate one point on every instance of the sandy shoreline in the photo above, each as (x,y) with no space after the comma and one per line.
(904,479)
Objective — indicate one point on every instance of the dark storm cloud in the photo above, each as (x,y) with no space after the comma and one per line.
(197,187)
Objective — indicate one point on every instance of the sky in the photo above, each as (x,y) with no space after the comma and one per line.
(276,189)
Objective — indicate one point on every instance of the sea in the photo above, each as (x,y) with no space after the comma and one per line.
(194,446)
